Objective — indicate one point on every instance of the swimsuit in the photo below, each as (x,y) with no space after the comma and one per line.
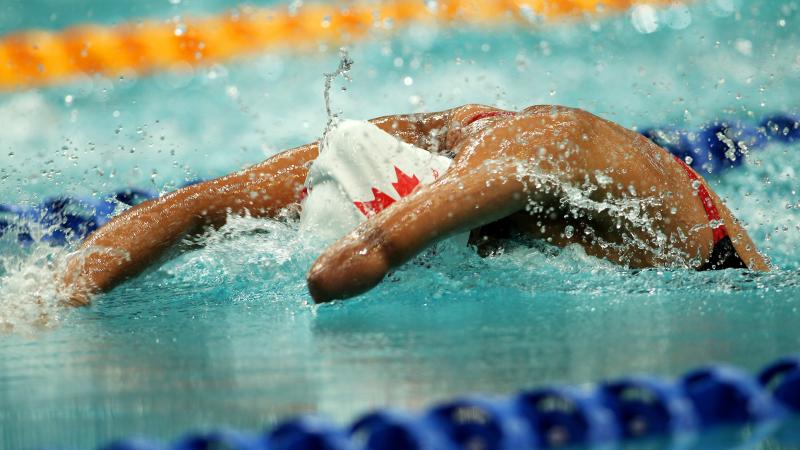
(484,114)
(723,253)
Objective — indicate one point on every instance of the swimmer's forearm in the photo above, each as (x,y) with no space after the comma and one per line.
(135,239)
(128,243)
(132,241)
(360,260)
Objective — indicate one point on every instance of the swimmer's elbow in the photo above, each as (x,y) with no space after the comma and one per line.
(328,285)
(325,286)
(344,273)
(319,286)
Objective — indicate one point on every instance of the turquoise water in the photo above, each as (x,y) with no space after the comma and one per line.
(225,334)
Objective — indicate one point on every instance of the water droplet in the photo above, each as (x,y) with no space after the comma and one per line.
(744,46)
(408,81)
(68,99)
(644,19)
(232,92)
(569,231)
(180,29)
(432,5)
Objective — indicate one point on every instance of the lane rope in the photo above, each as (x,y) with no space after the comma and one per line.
(630,409)
(34,58)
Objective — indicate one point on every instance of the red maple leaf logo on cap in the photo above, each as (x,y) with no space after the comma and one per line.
(404,186)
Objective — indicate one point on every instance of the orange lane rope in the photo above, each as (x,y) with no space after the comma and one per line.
(37,58)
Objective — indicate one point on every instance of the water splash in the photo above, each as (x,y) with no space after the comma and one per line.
(345,64)
(274,263)
(32,294)
(636,226)
(30,298)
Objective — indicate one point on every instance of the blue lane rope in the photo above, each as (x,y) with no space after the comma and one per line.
(637,407)
(64,219)
(712,149)
(721,145)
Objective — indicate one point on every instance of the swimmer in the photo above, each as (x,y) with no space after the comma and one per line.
(552,173)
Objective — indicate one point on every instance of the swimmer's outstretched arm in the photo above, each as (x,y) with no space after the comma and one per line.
(360,260)
(138,237)
(455,203)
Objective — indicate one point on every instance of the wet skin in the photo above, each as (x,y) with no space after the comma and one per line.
(553,173)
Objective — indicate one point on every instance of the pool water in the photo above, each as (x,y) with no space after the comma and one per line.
(225,334)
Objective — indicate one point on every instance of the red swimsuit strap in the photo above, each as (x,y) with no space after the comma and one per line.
(717,227)
(484,114)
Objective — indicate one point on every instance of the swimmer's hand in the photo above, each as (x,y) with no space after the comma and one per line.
(73,287)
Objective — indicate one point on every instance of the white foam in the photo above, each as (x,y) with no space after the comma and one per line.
(29,295)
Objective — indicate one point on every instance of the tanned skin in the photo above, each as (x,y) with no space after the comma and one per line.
(510,172)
